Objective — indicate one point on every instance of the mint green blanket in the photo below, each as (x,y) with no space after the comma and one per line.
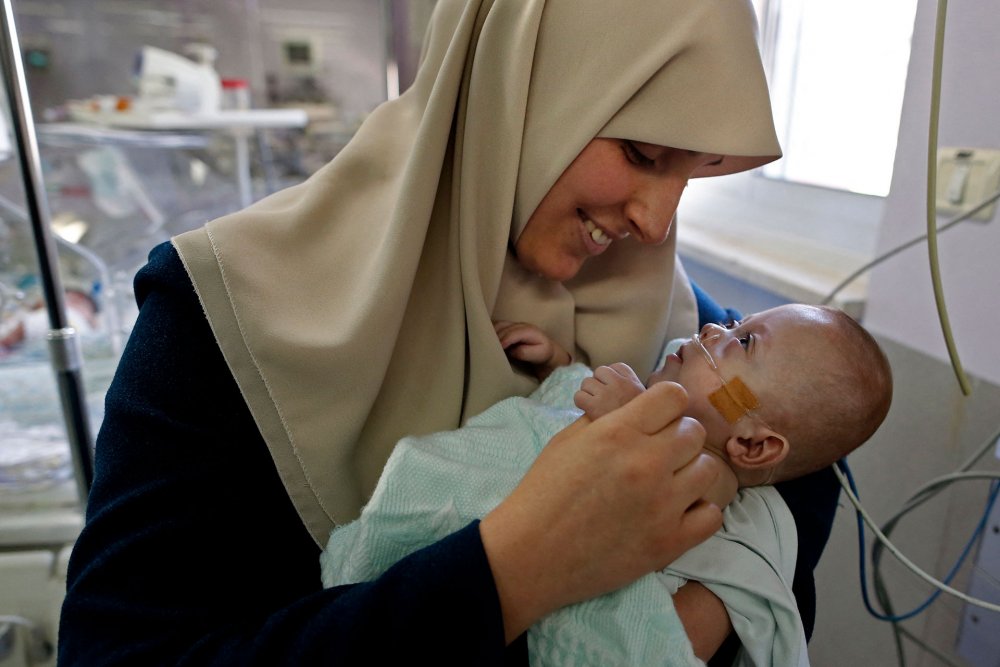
(434,485)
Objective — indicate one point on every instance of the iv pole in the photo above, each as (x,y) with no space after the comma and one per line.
(64,346)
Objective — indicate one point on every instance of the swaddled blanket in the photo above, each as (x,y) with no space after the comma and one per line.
(434,485)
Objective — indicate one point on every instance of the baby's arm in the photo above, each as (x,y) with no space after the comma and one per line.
(704,618)
(608,389)
(526,342)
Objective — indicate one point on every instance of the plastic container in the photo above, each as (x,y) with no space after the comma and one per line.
(235,94)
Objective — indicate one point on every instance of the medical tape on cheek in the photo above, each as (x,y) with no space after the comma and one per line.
(733,400)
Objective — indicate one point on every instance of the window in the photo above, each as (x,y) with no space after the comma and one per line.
(837,71)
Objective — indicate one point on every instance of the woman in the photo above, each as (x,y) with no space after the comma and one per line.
(356,308)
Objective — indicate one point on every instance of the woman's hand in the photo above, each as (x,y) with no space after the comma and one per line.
(606,502)
(609,388)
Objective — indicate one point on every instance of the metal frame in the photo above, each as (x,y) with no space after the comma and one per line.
(64,346)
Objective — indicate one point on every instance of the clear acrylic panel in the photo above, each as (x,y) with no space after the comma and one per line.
(113,193)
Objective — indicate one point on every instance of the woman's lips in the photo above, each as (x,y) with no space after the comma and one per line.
(596,239)
(597,233)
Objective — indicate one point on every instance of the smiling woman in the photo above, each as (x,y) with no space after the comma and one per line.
(615,188)
(336,317)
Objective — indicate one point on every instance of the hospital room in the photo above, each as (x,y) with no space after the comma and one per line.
(215,448)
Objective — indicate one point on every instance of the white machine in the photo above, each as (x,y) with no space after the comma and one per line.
(169,81)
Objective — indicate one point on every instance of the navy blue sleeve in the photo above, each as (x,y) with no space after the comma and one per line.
(812,499)
(709,310)
(192,552)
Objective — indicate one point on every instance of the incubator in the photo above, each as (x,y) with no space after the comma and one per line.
(112,196)
(138,141)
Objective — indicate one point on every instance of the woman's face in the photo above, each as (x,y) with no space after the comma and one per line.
(615,188)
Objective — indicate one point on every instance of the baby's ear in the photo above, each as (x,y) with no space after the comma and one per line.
(758,448)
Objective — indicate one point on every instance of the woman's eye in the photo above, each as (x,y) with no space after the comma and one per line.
(635,156)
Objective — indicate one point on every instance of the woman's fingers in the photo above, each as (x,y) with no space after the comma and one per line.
(700,522)
(604,503)
(656,408)
(701,518)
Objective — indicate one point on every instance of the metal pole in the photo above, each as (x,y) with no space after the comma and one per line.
(389,54)
(64,346)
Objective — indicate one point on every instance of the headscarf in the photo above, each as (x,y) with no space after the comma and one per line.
(356,308)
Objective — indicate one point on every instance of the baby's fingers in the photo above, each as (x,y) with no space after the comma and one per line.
(515,333)
(500,325)
(591,386)
(615,372)
(586,402)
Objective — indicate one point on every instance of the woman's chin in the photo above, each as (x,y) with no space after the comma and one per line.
(558,269)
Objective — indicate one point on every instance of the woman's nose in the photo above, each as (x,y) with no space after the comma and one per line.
(650,211)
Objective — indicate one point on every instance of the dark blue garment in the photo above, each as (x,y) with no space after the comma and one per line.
(711,312)
(192,552)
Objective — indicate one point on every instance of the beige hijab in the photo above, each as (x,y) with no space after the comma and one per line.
(356,308)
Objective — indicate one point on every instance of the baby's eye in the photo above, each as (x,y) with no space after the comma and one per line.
(745,341)
(732,324)
(635,156)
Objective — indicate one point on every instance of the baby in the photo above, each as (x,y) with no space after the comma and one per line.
(780,394)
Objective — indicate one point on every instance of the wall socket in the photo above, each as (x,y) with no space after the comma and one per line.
(965,177)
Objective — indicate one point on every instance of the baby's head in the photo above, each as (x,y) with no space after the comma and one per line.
(820,383)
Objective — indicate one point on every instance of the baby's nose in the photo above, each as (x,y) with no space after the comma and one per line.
(711,331)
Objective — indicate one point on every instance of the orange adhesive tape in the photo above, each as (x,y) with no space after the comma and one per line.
(733,400)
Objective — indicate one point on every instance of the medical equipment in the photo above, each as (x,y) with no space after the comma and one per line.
(932,247)
(733,399)
(64,345)
(167,83)
(921,495)
(170,82)
(924,493)
(962,217)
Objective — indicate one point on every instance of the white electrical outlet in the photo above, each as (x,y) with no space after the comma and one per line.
(965,177)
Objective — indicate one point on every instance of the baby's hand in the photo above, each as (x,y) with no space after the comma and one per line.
(526,342)
(608,389)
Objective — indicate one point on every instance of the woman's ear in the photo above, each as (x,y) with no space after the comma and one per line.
(759,448)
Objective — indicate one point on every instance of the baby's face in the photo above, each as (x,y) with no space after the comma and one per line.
(768,351)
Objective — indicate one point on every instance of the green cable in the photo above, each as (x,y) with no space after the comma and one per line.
(932,247)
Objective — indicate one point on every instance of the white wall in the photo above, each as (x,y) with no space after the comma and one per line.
(931,427)
(901,305)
